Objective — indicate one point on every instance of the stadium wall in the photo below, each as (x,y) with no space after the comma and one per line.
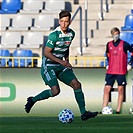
(16,84)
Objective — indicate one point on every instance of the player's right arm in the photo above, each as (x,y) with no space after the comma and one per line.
(107,52)
(48,51)
(128,47)
(48,54)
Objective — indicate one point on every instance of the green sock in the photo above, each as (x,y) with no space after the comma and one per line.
(43,95)
(80,100)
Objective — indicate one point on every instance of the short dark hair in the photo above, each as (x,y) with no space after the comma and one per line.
(114,29)
(64,13)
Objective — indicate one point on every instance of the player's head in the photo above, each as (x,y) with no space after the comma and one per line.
(64,20)
(115,32)
(65,13)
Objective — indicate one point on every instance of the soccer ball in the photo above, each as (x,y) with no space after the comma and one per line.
(107,110)
(130,110)
(66,116)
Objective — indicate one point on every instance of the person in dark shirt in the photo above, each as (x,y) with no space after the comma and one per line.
(118,65)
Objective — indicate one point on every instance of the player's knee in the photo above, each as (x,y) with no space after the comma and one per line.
(76,85)
(121,92)
(55,92)
(107,90)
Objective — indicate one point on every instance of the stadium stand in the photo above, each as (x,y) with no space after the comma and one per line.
(43,22)
(128,26)
(22,58)
(105,62)
(10,6)
(4,53)
(20,22)
(128,56)
(127,36)
(10,39)
(127,30)
(101,35)
(50,6)
(32,6)
(32,40)
(4,22)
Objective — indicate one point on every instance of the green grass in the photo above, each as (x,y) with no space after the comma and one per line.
(41,124)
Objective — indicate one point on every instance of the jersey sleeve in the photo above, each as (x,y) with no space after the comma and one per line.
(51,40)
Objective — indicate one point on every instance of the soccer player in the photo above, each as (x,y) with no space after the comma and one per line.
(116,51)
(55,65)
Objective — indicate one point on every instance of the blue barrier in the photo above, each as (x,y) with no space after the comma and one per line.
(4,53)
(19,61)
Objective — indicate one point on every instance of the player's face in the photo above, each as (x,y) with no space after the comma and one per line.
(115,35)
(64,23)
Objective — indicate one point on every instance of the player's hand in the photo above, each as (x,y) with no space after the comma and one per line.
(66,64)
(129,67)
(107,67)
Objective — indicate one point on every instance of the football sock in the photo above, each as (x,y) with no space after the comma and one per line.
(80,100)
(43,95)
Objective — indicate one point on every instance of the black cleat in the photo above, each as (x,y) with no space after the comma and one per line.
(117,112)
(87,115)
(29,104)
(100,112)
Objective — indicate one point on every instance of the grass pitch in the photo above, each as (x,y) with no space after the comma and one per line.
(40,124)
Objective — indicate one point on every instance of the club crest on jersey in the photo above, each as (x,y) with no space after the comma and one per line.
(120,48)
(49,41)
(110,48)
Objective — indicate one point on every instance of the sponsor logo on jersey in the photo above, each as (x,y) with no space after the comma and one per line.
(67,42)
(65,35)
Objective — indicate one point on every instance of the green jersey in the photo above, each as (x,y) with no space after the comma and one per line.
(60,43)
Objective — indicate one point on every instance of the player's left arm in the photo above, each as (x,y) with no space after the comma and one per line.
(67,52)
(107,52)
(67,58)
(67,55)
(130,49)
(131,60)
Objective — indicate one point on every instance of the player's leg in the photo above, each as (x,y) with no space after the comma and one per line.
(69,78)
(107,90)
(120,98)
(79,96)
(121,79)
(109,81)
(51,80)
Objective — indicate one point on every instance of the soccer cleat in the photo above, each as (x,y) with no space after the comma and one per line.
(100,112)
(117,112)
(29,104)
(87,115)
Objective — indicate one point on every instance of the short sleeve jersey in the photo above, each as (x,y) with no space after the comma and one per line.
(59,42)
